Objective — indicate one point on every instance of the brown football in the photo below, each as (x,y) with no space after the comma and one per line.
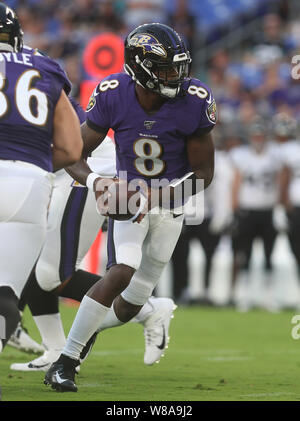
(120,203)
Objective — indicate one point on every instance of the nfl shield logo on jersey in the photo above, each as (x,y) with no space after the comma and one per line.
(149,124)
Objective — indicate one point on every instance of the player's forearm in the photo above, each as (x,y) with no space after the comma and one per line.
(62,158)
(206,174)
(79,171)
(198,180)
(201,156)
(189,185)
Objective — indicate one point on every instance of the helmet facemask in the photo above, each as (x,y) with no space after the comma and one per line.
(157,66)
(163,78)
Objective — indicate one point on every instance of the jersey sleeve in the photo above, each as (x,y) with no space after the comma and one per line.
(36,52)
(205,108)
(97,111)
(59,78)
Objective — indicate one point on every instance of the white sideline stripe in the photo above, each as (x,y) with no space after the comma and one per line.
(118,352)
(262,395)
(94,384)
(177,351)
(208,355)
(223,359)
(210,351)
(233,352)
(217,358)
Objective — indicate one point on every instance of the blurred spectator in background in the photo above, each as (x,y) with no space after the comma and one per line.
(72,68)
(286,131)
(34,23)
(138,12)
(108,18)
(217,216)
(272,42)
(256,73)
(184,23)
(255,193)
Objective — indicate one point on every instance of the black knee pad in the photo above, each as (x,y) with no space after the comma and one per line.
(39,301)
(78,285)
(9,312)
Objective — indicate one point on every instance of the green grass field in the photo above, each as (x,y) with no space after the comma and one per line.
(214,355)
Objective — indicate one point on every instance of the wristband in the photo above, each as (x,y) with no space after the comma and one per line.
(143,201)
(91,179)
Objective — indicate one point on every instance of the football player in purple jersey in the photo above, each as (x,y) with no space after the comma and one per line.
(73,224)
(39,132)
(162,121)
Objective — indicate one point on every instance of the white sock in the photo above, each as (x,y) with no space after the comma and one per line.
(88,318)
(1,346)
(51,330)
(145,312)
(110,320)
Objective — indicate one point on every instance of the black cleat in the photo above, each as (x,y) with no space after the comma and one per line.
(61,375)
(87,348)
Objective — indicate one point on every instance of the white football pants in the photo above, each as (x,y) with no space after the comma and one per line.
(25,191)
(73,222)
(146,247)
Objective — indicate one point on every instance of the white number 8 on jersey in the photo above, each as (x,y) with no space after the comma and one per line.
(148,151)
(198,90)
(108,84)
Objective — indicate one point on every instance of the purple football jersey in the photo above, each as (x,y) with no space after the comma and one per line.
(30,86)
(36,51)
(150,146)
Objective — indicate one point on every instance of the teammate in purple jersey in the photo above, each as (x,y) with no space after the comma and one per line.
(32,294)
(67,83)
(35,83)
(162,121)
(39,131)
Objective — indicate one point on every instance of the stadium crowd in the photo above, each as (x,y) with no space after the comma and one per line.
(258,105)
